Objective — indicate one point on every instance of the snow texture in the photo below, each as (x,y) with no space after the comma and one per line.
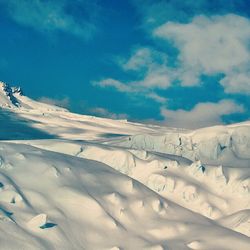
(69,181)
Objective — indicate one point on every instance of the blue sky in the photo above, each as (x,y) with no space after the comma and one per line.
(178,62)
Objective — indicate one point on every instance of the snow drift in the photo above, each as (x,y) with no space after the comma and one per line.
(70,181)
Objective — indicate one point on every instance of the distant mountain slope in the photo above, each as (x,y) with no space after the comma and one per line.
(59,122)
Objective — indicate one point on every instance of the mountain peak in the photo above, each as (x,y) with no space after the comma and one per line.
(7,98)
(17,90)
(13,97)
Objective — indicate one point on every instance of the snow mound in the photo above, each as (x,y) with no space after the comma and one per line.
(92,206)
(214,191)
(239,221)
(37,221)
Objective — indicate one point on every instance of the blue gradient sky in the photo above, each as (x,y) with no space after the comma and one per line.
(178,62)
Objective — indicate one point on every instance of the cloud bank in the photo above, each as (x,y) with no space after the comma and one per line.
(209,46)
(202,114)
(102,112)
(206,46)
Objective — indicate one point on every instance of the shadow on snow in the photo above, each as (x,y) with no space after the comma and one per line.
(14,127)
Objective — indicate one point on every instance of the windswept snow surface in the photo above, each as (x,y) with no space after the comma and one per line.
(70,181)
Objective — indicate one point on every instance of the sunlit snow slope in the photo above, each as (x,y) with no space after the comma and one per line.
(70,181)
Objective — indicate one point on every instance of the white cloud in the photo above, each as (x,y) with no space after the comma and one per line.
(154,65)
(157,98)
(211,45)
(106,113)
(159,78)
(207,46)
(135,88)
(64,102)
(109,82)
(202,115)
(237,82)
(140,59)
(145,58)
(47,16)
(156,75)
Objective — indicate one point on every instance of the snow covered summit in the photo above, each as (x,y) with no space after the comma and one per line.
(7,96)
(13,98)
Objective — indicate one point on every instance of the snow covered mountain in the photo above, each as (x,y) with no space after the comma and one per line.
(12,98)
(70,181)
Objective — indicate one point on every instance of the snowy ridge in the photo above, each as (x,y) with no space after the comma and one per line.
(227,145)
